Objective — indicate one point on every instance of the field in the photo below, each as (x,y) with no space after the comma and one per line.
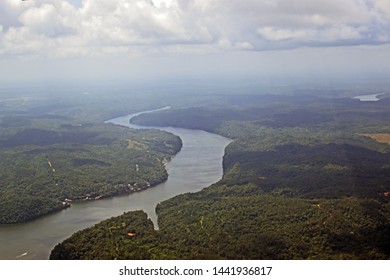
(380,137)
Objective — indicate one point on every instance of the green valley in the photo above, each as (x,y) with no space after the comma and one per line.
(51,159)
(301,181)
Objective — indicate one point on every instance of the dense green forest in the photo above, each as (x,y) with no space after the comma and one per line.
(302,180)
(237,222)
(51,156)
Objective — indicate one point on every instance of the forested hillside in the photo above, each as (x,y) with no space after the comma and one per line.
(49,160)
(302,180)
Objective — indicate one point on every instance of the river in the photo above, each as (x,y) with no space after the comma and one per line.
(197,165)
(369,97)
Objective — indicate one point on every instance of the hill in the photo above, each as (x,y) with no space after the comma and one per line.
(301,181)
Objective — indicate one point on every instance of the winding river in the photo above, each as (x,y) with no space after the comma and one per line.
(196,166)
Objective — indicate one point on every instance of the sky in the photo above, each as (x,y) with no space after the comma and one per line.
(130,40)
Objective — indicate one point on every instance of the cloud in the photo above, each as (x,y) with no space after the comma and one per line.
(383,5)
(49,20)
(60,28)
(9,11)
(276,34)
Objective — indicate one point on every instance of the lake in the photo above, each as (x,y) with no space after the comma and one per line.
(197,165)
(369,97)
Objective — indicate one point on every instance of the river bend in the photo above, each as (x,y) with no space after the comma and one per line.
(197,165)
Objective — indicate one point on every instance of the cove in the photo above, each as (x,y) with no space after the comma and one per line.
(197,165)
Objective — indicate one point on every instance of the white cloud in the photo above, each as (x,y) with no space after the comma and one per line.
(384,5)
(97,27)
(342,32)
(48,19)
(329,34)
(276,34)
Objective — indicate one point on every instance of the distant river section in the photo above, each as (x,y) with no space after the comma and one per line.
(369,97)
(197,165)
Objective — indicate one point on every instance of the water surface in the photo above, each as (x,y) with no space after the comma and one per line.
(196,166)
(369,97)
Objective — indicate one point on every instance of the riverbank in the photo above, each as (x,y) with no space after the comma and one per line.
(45,168)
(299,183)
(196,166)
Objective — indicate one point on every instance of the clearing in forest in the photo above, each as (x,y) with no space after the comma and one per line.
(131,144)
(379,137)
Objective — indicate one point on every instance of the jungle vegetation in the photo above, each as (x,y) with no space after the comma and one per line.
(51,156)
(303,179)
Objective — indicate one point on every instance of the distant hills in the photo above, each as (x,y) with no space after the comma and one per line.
(301,181)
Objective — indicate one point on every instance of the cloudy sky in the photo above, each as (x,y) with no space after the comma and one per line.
(135,39)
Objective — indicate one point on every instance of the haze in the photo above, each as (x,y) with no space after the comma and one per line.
(128,41)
